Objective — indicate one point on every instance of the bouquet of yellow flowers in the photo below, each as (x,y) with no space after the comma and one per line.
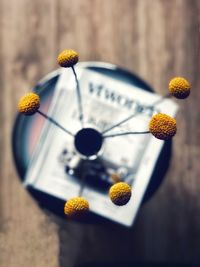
(161,126)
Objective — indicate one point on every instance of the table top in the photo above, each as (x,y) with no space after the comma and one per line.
(156,40)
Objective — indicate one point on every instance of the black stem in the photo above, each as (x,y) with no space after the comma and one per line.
(125,133)
(83,177)
(160,100)
(78,92)
(136,113)
(119,123)
(54,122)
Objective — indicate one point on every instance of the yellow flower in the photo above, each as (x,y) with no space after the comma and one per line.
(120,193)
(179,87)
(67,58)
(29,104)
(76,207)
(162,126)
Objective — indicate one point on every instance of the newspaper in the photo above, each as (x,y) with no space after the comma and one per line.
(54,167)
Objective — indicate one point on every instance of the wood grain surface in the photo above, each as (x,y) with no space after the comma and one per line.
(157,40)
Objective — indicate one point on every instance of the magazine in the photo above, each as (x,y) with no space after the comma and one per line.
(55,165)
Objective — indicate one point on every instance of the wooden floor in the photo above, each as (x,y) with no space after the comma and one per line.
(157,40)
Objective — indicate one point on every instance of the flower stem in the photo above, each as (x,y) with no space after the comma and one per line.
(160,100)
(125,133)
(136,113)
(119,123)
(54,122)
(83,176)
(79,98)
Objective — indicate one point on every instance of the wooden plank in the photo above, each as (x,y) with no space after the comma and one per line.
(28,47)
(156,40)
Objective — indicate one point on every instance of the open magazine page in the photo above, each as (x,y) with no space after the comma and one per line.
(54,167)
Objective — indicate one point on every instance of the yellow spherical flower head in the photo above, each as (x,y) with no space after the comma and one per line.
(162,126)
(179,87)
(76,207)
(120,193)
(67,58)
(29,104)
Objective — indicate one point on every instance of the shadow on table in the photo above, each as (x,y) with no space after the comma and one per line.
(122,264)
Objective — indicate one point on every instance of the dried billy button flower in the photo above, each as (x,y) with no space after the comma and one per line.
(67,58)
(162,126)
(179,87)
(29,104)
(120,193)
(76,207)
